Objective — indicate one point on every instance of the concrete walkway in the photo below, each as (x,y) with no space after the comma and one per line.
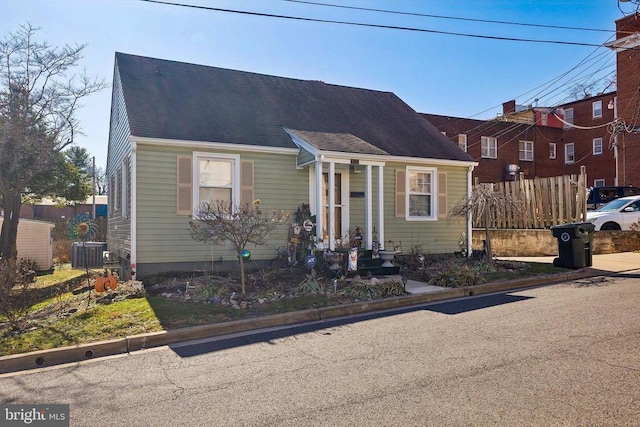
(614,263)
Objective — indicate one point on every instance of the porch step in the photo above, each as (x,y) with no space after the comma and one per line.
(378,270)
(366,264)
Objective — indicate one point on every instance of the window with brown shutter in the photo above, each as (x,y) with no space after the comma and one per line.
(246,183)
(401,206)
(442,194)
(184,181)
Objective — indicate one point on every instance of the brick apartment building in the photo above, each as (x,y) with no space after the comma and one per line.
(538,141)
(601,132)
(626,137)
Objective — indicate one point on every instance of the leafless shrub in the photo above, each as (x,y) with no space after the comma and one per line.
(484,202)
(15,298)
(219,223)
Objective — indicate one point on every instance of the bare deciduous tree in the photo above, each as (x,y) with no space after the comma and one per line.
(39,98)
(218,223)
(483,203)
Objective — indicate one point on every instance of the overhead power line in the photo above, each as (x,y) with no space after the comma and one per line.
(455,18)
(359,24)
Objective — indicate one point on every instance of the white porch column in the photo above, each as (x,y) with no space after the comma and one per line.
(331,208)
(469,222)
(381,206)
(318,201)
(368,214)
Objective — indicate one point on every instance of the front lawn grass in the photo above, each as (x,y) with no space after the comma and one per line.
(67,311)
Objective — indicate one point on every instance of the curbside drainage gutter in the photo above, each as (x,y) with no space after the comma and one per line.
(81,352)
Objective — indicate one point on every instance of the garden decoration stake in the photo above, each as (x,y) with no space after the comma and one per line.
(83,228)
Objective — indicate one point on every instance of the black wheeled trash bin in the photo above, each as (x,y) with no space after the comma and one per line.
(574,244)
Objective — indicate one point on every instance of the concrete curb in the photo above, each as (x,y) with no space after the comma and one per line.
(63,355)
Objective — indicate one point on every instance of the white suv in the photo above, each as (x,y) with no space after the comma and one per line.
(618,214)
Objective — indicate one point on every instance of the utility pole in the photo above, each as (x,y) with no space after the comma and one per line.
(93,190)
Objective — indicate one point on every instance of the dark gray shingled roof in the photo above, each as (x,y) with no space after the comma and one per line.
(176,100)
(340,142)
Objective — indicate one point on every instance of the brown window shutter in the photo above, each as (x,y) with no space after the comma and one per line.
(185,205)
(401,200)
(246,183)
(442,194)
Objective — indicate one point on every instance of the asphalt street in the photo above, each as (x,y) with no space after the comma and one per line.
(566,354)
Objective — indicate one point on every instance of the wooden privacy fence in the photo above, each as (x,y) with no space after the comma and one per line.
(543,202)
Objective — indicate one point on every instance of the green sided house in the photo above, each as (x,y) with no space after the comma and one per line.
(183,134)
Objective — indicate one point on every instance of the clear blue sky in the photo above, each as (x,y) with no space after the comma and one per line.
(433,73)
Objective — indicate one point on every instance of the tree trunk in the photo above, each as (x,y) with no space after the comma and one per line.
(489,253)
(242,279)
(9,232)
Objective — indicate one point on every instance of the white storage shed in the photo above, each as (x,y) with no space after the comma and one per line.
(35,242)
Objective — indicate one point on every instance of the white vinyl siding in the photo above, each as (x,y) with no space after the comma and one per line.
(526,151)
(489,147)
(569,153)
(597,146)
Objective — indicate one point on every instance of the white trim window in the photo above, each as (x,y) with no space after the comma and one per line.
(568,117)
(489,147)
(597,146)
(569,153)
(526,151)
(421,192)
(462,141)
(596,109)
(598,183)
(218,179)
(552,150)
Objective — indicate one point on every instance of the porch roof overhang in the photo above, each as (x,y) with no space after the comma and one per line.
(324,146)
(337,147)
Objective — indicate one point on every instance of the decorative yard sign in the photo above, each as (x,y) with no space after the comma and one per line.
(310,260)
(353,259)
(308,225)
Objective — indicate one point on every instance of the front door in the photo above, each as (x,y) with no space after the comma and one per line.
(340,212)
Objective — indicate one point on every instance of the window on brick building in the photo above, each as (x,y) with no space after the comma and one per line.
(462,142)
(597,146)
(568,117)
(552,150)
(598,183)
(569,153)
(597,109)
(526,151)
(489,147)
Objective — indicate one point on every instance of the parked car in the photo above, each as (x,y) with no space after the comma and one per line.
(600,196)
(616,215)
